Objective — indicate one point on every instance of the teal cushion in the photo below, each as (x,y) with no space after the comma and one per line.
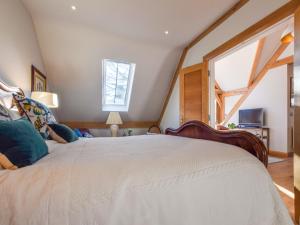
(64,132)
(21,143)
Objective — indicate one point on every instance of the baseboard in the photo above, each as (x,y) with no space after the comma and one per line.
(280,154)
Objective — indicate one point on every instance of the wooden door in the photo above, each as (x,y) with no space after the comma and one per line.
(194,94)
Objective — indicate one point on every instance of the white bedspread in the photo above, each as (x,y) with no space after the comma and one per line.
(141,180)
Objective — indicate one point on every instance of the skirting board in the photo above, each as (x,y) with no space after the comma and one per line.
(280,154)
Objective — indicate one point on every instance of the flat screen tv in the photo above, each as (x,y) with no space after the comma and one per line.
(251,117)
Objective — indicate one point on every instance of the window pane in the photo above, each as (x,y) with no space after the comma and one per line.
(116,82)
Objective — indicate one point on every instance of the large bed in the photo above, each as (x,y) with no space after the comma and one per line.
(192,175)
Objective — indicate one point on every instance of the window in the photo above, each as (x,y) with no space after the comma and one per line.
(117,84)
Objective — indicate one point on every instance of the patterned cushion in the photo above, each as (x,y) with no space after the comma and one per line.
(4,113)
(36,112)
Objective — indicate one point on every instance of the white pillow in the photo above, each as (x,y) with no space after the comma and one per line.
(6,99)
(4,113)
(14,114)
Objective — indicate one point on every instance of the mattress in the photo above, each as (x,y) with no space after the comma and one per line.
(149,180)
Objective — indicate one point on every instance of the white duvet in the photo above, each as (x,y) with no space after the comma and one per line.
(141,180)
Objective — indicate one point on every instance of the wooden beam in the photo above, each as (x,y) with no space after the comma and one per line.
(219,92)
(257,57)
(239,91)
(218,99)
(284,61)
(273,18)
(222,108)
(283,12)
(191,44)
(174,79)
(219,21)
(218,86)
(258,78)
(103,125)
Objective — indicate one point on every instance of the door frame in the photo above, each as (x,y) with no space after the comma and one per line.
(268,22)
(205,90)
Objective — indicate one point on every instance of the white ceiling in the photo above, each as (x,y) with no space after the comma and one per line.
(137,19)
(233,70)
(73,43)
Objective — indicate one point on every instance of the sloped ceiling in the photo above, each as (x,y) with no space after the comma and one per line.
(73,44)
(233,71)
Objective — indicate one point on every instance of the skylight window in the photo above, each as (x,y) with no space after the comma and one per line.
(116,85)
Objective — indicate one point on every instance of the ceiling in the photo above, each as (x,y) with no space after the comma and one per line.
(73,44)
(137,19)
(233,70)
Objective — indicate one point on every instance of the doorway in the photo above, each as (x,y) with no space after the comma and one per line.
(251,90)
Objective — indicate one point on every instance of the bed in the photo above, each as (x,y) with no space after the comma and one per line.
(191,175)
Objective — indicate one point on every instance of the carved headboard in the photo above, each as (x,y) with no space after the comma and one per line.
(242,139)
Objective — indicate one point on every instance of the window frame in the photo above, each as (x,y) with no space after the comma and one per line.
(117,107)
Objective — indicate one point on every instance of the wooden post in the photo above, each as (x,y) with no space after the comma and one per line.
(297,117)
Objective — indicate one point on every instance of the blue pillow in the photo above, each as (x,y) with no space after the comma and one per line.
(64,132)
(77,132)
(21,143)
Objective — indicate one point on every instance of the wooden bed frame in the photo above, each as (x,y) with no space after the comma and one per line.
(242,139)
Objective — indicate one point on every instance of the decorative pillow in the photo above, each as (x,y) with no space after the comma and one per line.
(64,132)
(4,113)
(77,132)
(21,143)
(36,112)
(56,137)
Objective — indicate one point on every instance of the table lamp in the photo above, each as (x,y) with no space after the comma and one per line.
(114,119)
(48,99)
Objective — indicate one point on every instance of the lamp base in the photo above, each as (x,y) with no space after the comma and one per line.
(114,130)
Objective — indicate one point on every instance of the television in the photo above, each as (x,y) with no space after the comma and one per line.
(251,117)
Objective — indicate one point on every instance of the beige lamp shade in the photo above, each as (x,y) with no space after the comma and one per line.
(114,118)
(47,98)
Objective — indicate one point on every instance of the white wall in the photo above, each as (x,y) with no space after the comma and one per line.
(248,15)
(18,45)
(73,55)
(272,95)
(121,132)
(171,117)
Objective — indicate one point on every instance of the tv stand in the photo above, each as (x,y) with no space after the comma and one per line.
(263,133)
